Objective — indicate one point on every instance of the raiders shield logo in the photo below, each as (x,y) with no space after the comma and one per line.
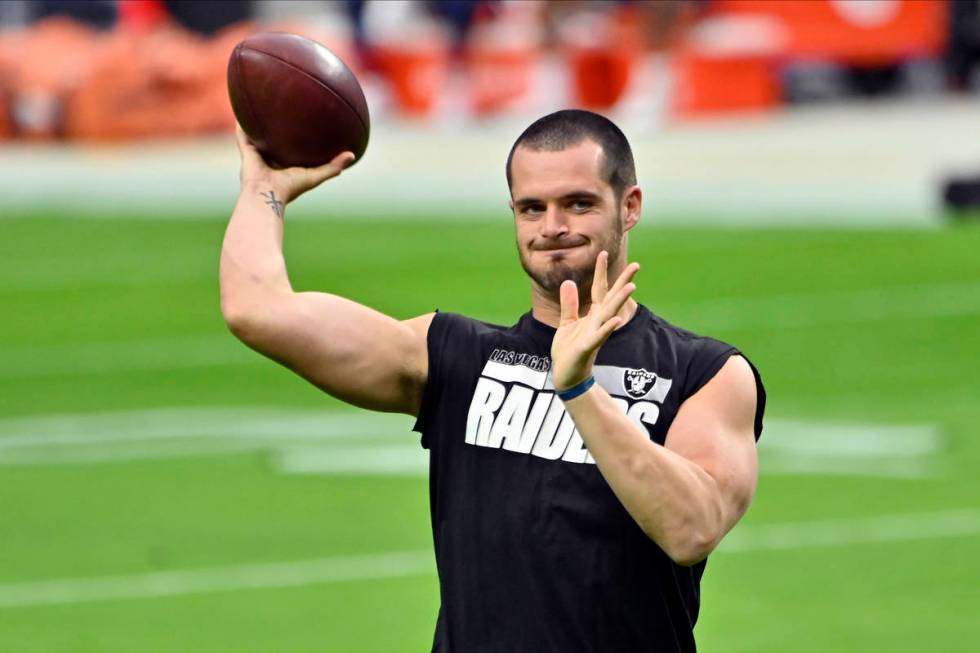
(638,382)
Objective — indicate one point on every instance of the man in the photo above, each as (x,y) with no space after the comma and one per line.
(583,462)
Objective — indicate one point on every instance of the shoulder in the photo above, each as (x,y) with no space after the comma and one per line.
(702,360)
(691,342)
(734,387)
(458,341)
(697,357)
(453,326)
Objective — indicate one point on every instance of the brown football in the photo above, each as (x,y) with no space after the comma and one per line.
(296,100)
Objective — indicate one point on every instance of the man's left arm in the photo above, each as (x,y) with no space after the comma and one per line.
(687,494)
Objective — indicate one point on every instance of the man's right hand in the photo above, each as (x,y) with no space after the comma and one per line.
(287,183)
(354,353)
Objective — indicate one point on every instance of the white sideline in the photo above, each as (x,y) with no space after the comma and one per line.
(841,532)
(297,573)
(401,564)
(304,441)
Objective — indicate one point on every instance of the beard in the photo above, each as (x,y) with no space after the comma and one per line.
(550,275)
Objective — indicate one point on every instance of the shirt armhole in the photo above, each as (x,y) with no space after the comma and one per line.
(435,342)
(701,373)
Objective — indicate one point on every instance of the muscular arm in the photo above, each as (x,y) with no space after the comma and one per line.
(352,352)
(687,494)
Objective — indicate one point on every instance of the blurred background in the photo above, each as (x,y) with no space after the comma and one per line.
(811,175)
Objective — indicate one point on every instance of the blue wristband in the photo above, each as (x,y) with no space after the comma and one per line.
(576,390)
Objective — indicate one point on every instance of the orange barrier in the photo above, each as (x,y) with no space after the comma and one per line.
(730,60)
(5,126)
(150,78)
(145,86)
(708,84)
(602,51)
(728,63)
(44,66)
(864,33)
(499,76)
(600,74)
(6,77)
(67,81)
(416,74)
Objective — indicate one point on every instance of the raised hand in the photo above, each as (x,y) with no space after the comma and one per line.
(577,341)
(288,183)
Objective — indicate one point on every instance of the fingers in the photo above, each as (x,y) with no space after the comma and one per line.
(568,295)
(241,138)
(251,158)
(615,302)
(600,278)
(617,296)
(598,337)
(625,276)
(316,176)
(344,159)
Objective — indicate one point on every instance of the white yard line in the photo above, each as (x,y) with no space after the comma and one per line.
(167,433)
(841,532)
(883,467)
(397,564)
(243,422)
(796,447)
(303,441)
(401,564)
(408,459)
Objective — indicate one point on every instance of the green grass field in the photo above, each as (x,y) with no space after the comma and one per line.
(137,437)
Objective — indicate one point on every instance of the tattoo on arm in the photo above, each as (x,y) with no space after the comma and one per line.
(270,199)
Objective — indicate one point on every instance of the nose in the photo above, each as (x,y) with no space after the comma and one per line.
(553,224)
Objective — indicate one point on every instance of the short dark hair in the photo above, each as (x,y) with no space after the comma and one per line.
(561,129)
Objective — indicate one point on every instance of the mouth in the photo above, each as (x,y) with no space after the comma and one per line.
(557,248)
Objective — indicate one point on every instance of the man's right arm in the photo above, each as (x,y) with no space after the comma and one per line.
(350,351)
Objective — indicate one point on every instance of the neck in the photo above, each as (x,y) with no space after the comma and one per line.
(546,307)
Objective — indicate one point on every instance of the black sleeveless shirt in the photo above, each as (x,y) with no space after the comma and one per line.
(534,551)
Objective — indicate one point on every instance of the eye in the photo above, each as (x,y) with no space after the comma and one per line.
(532,209)
(580,205)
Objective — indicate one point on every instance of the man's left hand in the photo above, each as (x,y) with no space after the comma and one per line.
(577,341)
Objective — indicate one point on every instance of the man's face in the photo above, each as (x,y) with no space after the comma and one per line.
(565,214)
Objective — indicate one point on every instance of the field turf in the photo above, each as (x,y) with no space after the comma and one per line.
(143,447)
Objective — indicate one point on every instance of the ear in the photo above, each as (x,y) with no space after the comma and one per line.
(510,203)
(632,206)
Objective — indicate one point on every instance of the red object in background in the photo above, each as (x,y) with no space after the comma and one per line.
(415,72)
(60,79)
(43,67)
(499,77)
(602,50)
(861,32)
(728,63)
(158,84)
(600,74)
(734,83)
(5,131)
(142,15)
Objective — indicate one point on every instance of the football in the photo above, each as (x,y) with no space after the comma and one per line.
(296,100)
